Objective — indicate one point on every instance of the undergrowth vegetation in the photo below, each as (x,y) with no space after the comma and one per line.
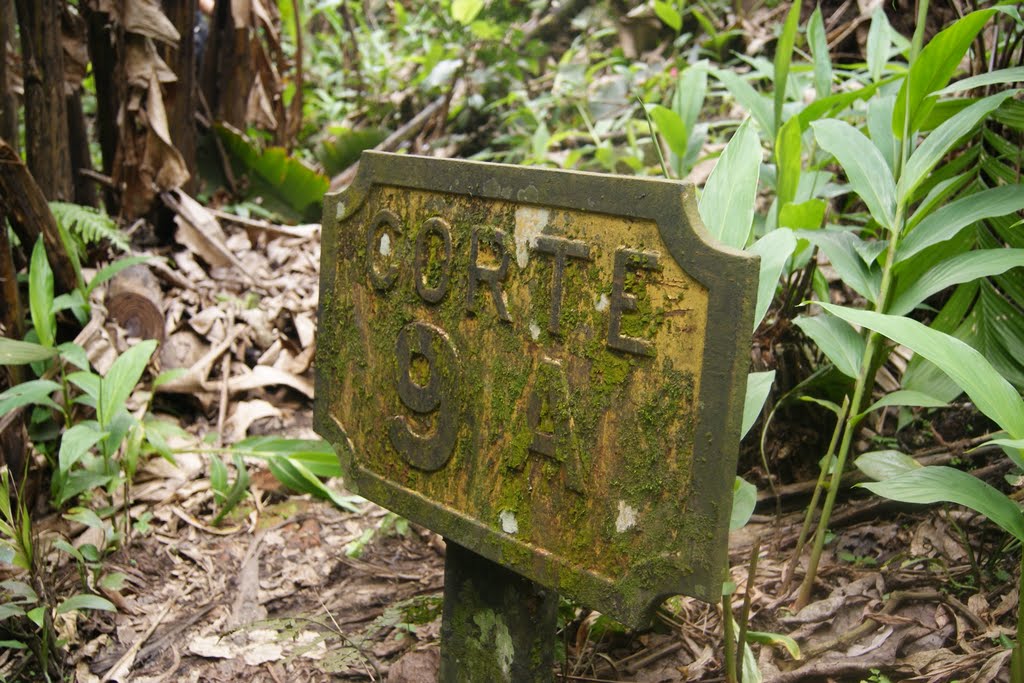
(882,192)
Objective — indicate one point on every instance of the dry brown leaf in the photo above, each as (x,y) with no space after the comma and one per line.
(146,18)
(244,414)
(258,109)
(142,61)
(262,376)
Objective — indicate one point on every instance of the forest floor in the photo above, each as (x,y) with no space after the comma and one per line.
(291,588)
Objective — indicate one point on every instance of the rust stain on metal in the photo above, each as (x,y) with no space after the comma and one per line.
(546,367)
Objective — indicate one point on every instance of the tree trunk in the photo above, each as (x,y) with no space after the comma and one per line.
(109,93)
(8,102)
(228,71)
(78,140)
(23,201)
(46,127)
(180,97)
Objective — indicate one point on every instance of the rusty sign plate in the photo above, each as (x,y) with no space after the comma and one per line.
(546,367)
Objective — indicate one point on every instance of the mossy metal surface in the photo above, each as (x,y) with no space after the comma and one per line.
(546,367)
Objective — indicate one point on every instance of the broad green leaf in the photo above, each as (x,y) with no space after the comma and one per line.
(689,96)
(834,104)
(727,203)
(120,380)
(907,398)
(72,353)
(843,250)
(869,175)
(939,484)
(806,215)
(758,105)
(932,70)
(940,194)
(76,442)
(941,140)
(671,127)
(317,455)
(744,500)
(88,382)
(37,616)
(283,181)
(21,590)
(113,581)
(759,384)
(33,392)
(666,11)
(879,118)
(1008,443)
(111,269)
(788,150)
(991,393)
(465,11)
(343,146)
(775,640)
(85,516)
(40,295)
(837,340)
(169,376)
(878,43)
(882,465)
(297,477)
(10,609)
(818,42)
(998,77)
(775,248)
(953,271)
(79,481)
(84,601)
(783,59)
(946,222)
(15,352)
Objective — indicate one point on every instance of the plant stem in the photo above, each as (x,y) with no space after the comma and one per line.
(812,507)
(747,598)
(862,389)
(730,641)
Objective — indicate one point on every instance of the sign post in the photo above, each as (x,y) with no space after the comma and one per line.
(548,369)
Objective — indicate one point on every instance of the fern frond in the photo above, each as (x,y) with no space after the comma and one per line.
(89,225)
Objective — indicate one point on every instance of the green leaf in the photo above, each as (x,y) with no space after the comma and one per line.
(218,479)
(33,392)
(317,455)
(932,70)
(343,146)
(907,398)
(120,380)
(879,118)
(788,150)
(867,171)
(37,616)
(882,465)
(40,295)
(72,353)
(275,175)
(111,269)
(991,393)
(465,11)
(775,640)
(14,352)
(775,248)
(727,204)
(818,42)
(953,271)
(80,481)
(689,95)
(744,500)
(671,127)
(88,382)
(998,77)
(666,11)
(85,516)
(878,43)
(76,442)
(783,59)
(759,384)
(10,609)
(295,476)
(83,601)
(758,105)
(942,139)
(806,215)
(113,581)
(837,340)
(843,250)
(948,485)
(946,222)
(21,590)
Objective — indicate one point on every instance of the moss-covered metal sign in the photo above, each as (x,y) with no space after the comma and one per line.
(546,367)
